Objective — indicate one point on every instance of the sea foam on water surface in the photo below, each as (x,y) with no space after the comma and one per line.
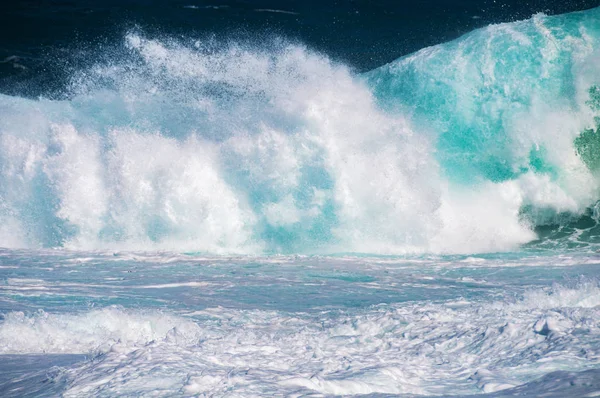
(420,348)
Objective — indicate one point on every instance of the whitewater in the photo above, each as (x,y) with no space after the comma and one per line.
(224,218)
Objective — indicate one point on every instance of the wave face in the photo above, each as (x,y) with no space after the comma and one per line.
(229,148)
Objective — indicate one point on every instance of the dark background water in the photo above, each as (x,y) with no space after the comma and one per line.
(37,35)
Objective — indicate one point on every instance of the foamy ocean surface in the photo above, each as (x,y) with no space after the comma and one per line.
(248,199)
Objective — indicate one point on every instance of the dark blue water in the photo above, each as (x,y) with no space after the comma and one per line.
(39,40)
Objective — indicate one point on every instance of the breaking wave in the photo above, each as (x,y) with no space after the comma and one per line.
(481,144)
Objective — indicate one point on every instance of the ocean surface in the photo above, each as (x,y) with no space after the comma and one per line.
(244,199)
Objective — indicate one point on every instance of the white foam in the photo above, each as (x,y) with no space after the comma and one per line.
(413,348)
(97,330)
(584,295)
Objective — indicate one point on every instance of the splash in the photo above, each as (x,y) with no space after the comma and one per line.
(180,145)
